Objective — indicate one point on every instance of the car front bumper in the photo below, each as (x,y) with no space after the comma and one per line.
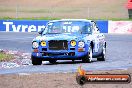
(60,55)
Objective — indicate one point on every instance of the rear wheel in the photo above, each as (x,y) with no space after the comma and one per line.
(88,57)
(103,55)
(36,61)
(52,61)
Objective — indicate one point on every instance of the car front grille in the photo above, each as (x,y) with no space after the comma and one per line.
(58,45)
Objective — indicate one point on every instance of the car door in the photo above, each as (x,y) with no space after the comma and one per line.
(96,38)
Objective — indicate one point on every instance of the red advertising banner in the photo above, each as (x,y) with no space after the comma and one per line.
(129,4)
(120,27)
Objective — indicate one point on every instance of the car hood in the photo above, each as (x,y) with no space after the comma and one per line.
(68,37)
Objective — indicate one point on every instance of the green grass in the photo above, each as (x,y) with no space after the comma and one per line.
(50,18)
(5,57)
(33,18)
(114,19)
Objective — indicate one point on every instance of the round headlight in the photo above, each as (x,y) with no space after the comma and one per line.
(73,43)
(43,43)
(35,45)
(81,44)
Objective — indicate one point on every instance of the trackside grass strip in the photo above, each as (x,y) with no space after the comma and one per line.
(5,57)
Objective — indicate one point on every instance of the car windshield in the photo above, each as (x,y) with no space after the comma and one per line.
(68,27)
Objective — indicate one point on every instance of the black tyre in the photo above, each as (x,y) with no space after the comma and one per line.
(103,55)
(88,57)
(36,61)
(52,61)
(73,60)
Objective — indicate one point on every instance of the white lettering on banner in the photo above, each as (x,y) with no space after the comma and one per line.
(7,25)
(16,29)
(32,28)
(22,28)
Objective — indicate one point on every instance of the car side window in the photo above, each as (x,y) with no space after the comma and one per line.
(86,29)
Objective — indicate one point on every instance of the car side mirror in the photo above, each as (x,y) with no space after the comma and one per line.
(97,28)
(40,32)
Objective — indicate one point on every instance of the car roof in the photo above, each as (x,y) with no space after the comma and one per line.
(72,20)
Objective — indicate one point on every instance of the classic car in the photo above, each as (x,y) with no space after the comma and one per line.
(69,39)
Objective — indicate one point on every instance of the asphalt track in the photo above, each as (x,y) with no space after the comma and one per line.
(119,54)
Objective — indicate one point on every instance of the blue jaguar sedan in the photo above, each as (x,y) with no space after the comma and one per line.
(69,39)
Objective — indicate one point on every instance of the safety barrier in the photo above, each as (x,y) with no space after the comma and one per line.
(120,27)
(22,25)
(37,25)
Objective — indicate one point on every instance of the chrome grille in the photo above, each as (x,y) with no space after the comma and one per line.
(58,45)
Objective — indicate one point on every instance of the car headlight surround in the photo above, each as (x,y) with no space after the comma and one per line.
(35,44)
(81,44)
(43,43)
(73,43)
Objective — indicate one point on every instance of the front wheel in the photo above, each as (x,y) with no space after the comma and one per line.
(88,57)
(36,61)
(52,61)
(103,56)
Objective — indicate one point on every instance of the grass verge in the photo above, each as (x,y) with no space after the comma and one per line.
(32,18)
(50,18)
(5,57)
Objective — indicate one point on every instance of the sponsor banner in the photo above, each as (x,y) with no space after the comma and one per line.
(103,26)
(22,25)
(121,27)
(37,25)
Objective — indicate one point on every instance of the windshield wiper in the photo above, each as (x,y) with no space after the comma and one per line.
(54,33)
